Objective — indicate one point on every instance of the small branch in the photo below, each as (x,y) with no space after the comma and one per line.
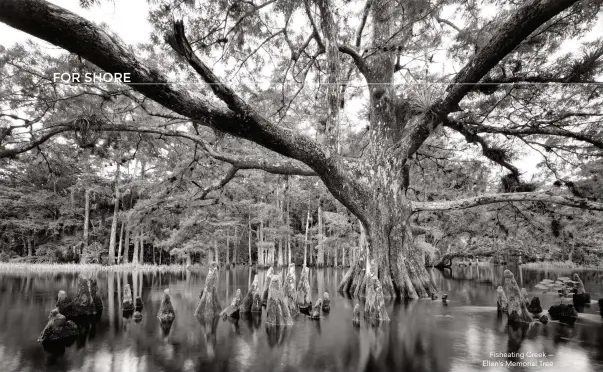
(220,184)
(486,199)
(365,14)
(494,154)
(315,30)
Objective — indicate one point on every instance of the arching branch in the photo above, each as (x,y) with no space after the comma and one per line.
(511,33)
(486,199)
(271,164)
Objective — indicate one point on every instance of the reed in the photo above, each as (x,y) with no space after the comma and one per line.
(75,268)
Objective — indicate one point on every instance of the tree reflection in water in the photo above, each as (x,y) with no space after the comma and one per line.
(423,335)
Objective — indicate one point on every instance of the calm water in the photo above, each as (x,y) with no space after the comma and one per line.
(423,335)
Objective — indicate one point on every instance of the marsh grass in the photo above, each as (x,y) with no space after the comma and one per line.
(560,265)
(16,267)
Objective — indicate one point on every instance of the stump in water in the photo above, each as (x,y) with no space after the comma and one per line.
(580,297)
(137,316)
(248,300)
(374,308)
(304,301)
(317,309)
(356,315)
(256,305)
(64,304)
(138,304)
(58,328)
(209,305)
(579,285)
(326,302)
(96,298)
(502,304)
(166,312)
(518,311)
(232,310)
(534,306)
(563,312)
(127,305)
(544,319)
(289,291)
(277,311)
(83,304)
(267,285)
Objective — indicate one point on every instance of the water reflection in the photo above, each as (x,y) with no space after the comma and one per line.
(423,335)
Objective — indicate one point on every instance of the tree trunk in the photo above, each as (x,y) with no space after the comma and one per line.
(260,244)
(236,246)
(113,236)
(249,238)
(29,246)
(141,249)
(135,256)
(126,258)
(320,254)
(121,241)
(306,237)
(227,249)
(216,253)
(289,258)
(86,221)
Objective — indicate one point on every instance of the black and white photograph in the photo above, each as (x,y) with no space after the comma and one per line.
(301,185)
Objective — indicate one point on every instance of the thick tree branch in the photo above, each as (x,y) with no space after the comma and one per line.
(26,146)
(486,199)
(580,71)
(512,32)
(270,164)
(537,130)
(518,27)
(77,35)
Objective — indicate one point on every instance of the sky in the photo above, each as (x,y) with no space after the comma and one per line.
(128,19)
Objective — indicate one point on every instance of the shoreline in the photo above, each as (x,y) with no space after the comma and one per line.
(8,267)
(560,265)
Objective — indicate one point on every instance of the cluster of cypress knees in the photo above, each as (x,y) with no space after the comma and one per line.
(515,302)
(282,303)
(86,304)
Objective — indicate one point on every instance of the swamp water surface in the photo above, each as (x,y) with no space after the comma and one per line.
(423,335)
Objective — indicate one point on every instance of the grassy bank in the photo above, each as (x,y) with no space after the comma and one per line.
(561,265)
(76,268)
